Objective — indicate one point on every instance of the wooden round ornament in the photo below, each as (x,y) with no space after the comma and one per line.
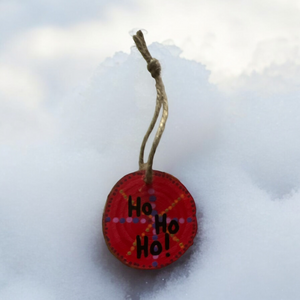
(149,219)
(149,226)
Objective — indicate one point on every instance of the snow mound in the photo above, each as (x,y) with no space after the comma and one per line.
(238,155)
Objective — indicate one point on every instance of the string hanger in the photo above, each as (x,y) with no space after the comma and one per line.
(154,68)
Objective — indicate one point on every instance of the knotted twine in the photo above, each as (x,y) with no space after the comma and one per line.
(154,68)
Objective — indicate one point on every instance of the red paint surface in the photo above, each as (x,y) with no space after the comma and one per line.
(172,198)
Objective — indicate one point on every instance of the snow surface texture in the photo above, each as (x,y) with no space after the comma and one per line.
(239,156)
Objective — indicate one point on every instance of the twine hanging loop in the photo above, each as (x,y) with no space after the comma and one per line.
(154,68)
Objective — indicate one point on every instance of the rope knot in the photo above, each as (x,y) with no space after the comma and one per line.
(154,67)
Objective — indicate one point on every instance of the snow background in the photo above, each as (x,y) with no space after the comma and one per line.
(76,99)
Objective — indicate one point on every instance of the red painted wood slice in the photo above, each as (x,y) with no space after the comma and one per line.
(149,226)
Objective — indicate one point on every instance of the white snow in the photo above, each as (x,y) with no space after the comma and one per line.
(238,154)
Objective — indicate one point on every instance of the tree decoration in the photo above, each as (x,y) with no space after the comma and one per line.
(149,220)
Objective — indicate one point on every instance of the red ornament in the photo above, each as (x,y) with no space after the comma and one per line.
(149,219)
(149,226)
